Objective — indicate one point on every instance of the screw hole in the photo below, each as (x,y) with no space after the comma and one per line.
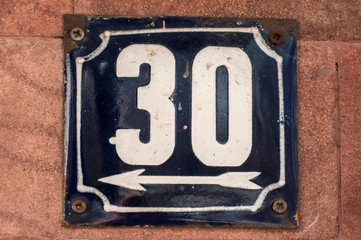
(276,38)
(279,206)
(77,34)
(79,206)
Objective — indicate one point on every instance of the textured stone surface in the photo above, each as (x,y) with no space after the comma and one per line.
(31,99)
(317,20)
(33,17)
(317,139)
(31,150)
(349,72)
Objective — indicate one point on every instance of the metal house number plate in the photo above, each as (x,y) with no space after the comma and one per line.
(173,121)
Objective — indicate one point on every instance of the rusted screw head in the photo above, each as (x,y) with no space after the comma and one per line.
(77,34)
(279,206)
(79,206)
(276,38)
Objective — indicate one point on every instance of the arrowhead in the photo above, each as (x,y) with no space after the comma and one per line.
(126,180)
(239,180)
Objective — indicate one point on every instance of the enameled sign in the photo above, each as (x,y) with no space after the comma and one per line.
(180,120)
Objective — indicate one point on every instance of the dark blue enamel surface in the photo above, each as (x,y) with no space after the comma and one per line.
(109,103)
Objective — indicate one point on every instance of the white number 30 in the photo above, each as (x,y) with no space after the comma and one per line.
(154,98)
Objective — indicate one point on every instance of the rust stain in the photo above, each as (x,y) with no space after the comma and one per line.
(186,74)
(70,22)
(163,125)
(208,65)
(152,53)
(297,218)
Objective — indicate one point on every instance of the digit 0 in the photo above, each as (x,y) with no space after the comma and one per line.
(205,146)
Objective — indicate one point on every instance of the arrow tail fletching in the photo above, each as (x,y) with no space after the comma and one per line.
(239,180)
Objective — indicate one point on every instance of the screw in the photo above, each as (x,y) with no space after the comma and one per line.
(279,206)
(276,38)
(77,34)
(79,206)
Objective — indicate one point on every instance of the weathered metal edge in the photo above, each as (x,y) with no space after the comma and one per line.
(280,27)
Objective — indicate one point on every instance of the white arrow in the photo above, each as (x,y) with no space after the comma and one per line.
(133,180)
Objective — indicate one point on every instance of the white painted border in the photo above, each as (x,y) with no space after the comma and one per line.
(108,207)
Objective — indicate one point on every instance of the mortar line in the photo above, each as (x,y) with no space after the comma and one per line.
(338,142)
(33,36)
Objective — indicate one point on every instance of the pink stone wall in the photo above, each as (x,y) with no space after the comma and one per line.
(32,105)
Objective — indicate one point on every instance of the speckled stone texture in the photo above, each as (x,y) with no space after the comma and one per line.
(31,150)
(349,73)
(317,20)
(317,132)
(31,136)
(33,17)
